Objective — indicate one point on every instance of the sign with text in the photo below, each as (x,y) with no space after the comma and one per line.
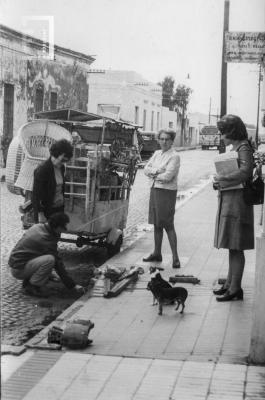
(245,47)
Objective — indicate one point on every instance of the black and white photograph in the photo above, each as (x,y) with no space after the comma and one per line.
(132,166)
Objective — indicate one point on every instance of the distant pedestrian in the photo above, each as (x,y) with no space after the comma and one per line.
(163,169)
(49,182)
(234,222)
(35,256)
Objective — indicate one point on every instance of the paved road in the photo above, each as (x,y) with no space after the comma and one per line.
(23,316)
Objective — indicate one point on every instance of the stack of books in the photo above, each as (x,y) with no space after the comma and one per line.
(225,164)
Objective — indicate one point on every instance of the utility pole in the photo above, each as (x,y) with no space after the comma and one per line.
(257,126)
(223,110)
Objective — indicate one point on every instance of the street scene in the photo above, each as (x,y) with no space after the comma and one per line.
(22,315)
(132,166)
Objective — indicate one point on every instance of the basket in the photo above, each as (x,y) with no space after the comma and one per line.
(36,138)
(14,161)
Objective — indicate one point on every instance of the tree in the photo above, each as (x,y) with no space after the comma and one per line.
(168,92)
(181,100)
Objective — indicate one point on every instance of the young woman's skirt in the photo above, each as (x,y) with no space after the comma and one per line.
(162,207)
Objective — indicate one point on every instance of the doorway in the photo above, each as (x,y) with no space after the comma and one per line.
(8,119)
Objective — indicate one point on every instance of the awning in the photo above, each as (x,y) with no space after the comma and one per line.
(67,114)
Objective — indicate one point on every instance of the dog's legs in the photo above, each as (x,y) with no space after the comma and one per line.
(183,306)
(154,301)
(160,308)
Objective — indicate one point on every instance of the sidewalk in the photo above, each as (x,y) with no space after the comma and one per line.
(137,354)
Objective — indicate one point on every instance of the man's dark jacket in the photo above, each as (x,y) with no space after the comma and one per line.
(44,187)
(39,240)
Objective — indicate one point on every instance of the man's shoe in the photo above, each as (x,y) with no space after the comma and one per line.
(25,283)
(153,257)
(34,290)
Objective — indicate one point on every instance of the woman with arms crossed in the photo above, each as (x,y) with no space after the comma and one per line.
(163,169)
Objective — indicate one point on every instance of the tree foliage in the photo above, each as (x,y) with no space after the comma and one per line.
(175,99)
(168,84)
(181,98)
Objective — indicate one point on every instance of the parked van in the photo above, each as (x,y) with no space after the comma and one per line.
(209,137)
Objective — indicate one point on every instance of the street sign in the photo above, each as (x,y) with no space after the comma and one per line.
(209,130)
(244,47)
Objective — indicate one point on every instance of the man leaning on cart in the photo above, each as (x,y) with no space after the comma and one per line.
(35,255)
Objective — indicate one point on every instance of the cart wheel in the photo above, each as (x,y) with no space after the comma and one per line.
(79,242)
(113,249)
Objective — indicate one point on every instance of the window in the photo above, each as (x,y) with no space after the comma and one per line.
(136,115)
(158,121)
(8,110)
(152,120)
(39,96)
(170,124)
(144,120)
(53,100)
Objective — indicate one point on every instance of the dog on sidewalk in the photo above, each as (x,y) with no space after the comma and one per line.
(164,293)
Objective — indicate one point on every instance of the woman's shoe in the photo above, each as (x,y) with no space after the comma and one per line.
(176,264)
(153,257)
(238,295)
(220,291)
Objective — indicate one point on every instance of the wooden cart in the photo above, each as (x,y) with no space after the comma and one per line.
(98,177)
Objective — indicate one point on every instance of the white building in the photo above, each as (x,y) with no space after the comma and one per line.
(127,95)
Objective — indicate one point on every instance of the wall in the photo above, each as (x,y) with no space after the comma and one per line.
(68,81)
(24,63)
(170,120)
(128,90)
(13,71)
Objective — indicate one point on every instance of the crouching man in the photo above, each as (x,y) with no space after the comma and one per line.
(35,256)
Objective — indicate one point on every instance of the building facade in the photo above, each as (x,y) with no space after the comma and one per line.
(31,81)
(126,95)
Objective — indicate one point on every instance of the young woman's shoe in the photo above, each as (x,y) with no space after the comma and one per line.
(220,292)
(238,295)
(153,257)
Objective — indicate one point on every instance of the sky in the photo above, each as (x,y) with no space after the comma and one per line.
(155,38)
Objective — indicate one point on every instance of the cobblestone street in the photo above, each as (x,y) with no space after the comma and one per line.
(23,316)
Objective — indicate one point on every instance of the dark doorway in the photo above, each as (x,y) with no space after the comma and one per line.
(53,101)
(8,119)
(39,96)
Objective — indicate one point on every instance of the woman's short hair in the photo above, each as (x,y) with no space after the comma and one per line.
(62,146)
(58,220)
(168,132)
(232,127)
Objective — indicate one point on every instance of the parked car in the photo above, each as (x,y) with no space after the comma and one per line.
(149,143)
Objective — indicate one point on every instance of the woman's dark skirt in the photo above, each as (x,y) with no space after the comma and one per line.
(162,207)
(234,228)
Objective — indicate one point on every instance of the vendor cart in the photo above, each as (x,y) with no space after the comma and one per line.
(99,177)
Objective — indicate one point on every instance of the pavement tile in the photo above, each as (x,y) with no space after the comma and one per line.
(59,377)
(137,354)
(125,380)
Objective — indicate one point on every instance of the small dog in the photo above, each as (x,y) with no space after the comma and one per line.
(164,293)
